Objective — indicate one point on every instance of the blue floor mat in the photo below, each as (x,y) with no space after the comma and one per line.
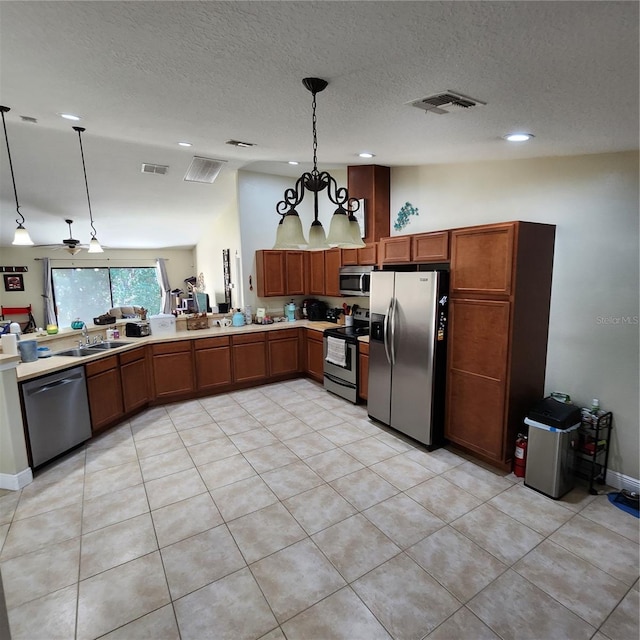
(617,500)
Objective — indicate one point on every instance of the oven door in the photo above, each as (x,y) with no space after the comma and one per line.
(343,381)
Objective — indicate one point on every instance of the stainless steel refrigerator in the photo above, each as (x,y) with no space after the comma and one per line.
(407,352)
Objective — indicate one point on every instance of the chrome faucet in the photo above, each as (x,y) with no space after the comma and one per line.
(85,333)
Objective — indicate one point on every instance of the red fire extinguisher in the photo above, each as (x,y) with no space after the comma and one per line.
(520,459)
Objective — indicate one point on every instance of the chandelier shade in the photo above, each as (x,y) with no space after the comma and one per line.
(314,181)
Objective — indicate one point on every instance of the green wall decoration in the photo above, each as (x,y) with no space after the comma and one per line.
(402,219)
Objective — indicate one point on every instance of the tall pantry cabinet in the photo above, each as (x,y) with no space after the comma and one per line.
(498,325)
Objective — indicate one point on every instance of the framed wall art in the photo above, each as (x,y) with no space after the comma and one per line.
(13,282)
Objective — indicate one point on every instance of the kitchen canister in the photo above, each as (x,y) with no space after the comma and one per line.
(28,350)
(9,343)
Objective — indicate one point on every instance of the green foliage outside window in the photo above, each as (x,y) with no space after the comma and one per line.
(89,292)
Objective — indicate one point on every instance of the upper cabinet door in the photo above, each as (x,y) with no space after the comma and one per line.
(270,271)
(482,260)
(332,272)
(316,273)
(395,250)
(294,261)
(430,247)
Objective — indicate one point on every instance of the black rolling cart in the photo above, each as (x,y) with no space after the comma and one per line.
(592,454)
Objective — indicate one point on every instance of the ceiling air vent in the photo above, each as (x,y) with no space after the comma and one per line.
(239,143)
(203,170)
(443,102)
(154,168)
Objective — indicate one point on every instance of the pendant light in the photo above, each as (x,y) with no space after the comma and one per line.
(94,245)
(21,236)
(291,234)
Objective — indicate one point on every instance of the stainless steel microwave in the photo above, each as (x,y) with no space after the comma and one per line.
(355,281)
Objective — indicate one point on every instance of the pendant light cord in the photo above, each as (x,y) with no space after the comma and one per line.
(86,184)
(15,191)
(315,135)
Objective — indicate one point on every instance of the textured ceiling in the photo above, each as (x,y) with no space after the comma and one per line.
(145,75)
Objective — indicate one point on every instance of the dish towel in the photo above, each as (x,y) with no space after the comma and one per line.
(336,351)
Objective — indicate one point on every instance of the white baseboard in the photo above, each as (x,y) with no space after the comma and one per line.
(15,482)
(620,481)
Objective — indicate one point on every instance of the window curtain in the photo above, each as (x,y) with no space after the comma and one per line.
(47,289)
(163,281)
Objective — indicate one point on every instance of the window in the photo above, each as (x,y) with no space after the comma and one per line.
(89,292)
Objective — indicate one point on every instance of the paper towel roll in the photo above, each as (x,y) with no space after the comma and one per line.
(9,343)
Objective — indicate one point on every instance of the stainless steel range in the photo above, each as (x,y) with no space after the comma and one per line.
(341,356)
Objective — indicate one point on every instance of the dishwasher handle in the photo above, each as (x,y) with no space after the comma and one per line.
(53,385)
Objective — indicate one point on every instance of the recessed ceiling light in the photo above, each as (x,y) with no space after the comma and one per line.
(366,154)
(294,162)
(69,116)
(185,144)
(518,137)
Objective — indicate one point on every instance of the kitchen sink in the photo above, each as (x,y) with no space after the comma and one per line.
(107,345)
(76,352)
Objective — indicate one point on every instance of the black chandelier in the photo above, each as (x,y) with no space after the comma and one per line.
(344,230)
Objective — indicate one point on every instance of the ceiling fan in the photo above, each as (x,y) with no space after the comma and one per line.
(70,244)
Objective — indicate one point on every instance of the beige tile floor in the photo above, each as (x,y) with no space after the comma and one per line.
(283,512)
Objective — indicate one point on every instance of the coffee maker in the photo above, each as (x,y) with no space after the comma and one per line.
(305,307)
(317,310)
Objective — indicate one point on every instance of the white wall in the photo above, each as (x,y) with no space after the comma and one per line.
(180,265)
(593,201)
(223,232)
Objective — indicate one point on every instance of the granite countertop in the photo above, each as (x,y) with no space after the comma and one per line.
(53,363)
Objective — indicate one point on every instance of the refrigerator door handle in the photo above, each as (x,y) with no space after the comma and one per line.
(393,330)
(385,331)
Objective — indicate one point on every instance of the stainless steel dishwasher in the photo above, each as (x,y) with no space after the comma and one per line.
(57,411)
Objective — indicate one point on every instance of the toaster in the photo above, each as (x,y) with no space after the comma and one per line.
(137,329)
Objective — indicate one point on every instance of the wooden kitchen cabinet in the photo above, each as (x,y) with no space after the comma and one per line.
(249,357)
(349,257)
(271,273)
(332,272)
(482,260)
(173,371)
(324,272)
(498,328)
(283,352)
(213,363)
(314,355)
(363,370)
(364,256)
(281,273)
(316,273)
(430,247)
(135,379)
(105,393)
(415,248)
(368,255)
(295,269)
(396,250)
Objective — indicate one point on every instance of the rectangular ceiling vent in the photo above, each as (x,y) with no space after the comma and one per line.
(443,102)
(203,170)
(160,169)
